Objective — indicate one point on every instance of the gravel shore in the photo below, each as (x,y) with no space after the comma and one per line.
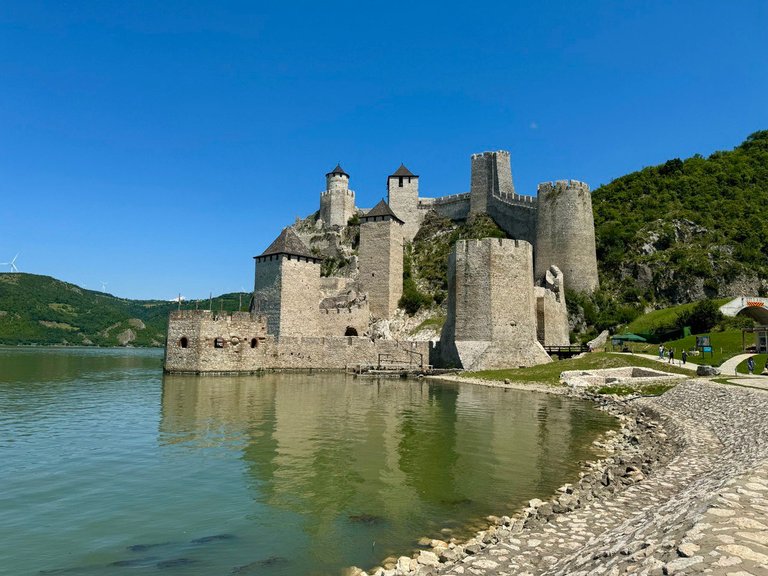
(685,491)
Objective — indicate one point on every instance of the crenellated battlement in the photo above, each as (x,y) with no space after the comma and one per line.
(345,191)
(216,316)
(502,153)
(562,186)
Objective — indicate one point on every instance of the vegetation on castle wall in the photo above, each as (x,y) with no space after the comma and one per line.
(426,260)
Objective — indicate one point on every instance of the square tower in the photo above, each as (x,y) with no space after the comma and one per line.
(403,198)
(287,287)
(380,259)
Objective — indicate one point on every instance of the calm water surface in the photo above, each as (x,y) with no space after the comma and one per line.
(110,468)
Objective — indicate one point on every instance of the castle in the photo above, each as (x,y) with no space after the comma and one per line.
(506,298)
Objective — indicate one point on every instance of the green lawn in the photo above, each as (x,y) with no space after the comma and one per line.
(550,373)
(663,318)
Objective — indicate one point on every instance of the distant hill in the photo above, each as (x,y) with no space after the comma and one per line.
(687,229)
(42,310)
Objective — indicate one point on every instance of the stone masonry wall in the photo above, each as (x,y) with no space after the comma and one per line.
(336,321)
(491,175)
(551,318)
(404,202)
(565,234)
(287,291)
(242,339)
(380,259)
(245,347)
(491,319)
(337,206)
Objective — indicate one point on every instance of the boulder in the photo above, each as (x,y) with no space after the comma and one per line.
(704,370)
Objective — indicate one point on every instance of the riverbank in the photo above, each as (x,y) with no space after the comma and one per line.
(683,493)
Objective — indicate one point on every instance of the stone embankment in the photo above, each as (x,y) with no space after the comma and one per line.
(684,491)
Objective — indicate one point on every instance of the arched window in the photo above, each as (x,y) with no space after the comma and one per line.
(218,342)
(350,331)
(254,342)
(183,342)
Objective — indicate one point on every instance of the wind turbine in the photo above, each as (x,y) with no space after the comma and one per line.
(12,263)
(104,286)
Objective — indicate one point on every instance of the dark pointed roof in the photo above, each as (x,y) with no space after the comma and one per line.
(338,170)
(382,209)
(288,243)
(403,171)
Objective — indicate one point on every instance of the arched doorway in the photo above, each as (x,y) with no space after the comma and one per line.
(350,331)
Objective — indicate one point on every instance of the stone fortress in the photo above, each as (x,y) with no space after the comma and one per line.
(506,297)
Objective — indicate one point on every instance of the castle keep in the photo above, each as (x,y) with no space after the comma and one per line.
(506,297)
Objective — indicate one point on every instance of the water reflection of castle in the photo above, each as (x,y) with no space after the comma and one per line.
(387,449)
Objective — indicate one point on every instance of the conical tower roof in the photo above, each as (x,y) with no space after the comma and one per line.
(381,209)
(338,170)
(288,243)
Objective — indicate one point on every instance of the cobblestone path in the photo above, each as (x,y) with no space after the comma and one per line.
(705,512)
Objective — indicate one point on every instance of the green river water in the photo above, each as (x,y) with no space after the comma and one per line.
(111,468)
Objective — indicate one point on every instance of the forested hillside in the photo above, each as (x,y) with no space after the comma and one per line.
(687,229)
(42,310)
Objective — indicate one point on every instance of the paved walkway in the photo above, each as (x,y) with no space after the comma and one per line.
(704,512)
(729,366)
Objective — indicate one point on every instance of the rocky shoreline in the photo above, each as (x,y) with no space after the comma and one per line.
(684,490)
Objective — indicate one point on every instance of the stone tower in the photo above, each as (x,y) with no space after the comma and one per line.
(491,176)
(337,203)
(403,198)
(287,287)
(380,259)
(491,320)
(565,234)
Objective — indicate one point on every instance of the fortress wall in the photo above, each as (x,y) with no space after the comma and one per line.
(336,321)
(551,319)
(518,220)
(238,355)
(242,335)
(380,259)
(491,319)
(455,207)
(565,234)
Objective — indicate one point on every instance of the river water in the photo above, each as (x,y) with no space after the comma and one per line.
(109,467)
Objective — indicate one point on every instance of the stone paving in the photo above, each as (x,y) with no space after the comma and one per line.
(704,512)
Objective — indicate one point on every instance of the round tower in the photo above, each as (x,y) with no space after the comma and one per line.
(565,234)
(337,202)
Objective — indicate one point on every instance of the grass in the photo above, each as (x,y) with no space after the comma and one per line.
(550,373)
(435,323)
(645,390)
(760,361)
(725,345)
(664,318)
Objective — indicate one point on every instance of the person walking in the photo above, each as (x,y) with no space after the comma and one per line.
(671,356)
(661,351)
(685,356)
(751,364)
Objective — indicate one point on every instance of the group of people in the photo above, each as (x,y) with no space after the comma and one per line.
(670,354)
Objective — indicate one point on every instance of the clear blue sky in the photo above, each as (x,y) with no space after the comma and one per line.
(158,146)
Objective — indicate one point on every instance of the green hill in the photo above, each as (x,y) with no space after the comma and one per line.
(687,229)
(42,310)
